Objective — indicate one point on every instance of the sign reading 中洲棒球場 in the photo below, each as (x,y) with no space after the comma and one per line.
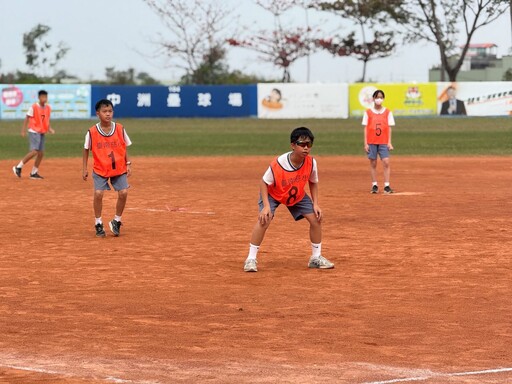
(178,100)
(68,101)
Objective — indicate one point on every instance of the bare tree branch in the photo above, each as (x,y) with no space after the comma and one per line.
(440,22)
(194,28)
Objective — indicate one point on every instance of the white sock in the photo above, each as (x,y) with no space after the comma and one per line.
(253,251)
(34,170)
(386,184)
(20,165)
(374,183)
(117,218)
(316,249)
(98,220)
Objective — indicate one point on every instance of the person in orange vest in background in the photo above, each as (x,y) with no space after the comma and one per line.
(285,182)
(108,142)
(378,121)
(38,122)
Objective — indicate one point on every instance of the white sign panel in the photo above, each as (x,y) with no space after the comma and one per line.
(292,101)
(490,98)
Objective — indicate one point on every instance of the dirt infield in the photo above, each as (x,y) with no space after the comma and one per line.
(421,291)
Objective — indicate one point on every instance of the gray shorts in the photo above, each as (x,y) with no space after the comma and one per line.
(36,141)
(381,149)
(118,182)
(303,207)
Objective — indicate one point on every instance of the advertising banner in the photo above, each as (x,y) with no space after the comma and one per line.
(291,101)
(68,101)
(407,99)
(490,98)
(178,101)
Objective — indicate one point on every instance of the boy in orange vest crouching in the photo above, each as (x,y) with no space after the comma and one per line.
(38,122)
(108,142)
(284,182)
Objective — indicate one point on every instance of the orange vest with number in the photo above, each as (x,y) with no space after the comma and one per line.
(377,129)
(40,122)
(289,187)
(109,152)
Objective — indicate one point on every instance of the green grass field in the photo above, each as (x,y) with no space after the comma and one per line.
(236,137)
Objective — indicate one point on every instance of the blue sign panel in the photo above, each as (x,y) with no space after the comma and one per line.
(68,101)
(179,101)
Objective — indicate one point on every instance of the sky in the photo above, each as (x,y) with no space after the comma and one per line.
(122,33)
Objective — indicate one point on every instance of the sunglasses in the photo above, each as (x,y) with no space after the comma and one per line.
(304,144)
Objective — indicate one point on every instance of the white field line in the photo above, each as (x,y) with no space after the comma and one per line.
(439,375)
(172,209)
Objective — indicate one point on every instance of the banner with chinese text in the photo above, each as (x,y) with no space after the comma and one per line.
(489,98)
(406,99)
(178,101)
(68,101)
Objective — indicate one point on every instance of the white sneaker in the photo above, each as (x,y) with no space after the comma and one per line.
(320,262)
(251,265)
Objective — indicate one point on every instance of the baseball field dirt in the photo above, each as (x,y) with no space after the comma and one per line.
(420,292)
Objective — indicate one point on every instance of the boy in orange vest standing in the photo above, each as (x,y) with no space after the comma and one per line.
(108,142)
(38,122)
(284,182)
(377,139)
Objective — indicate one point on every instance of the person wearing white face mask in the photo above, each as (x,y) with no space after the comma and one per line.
(378,121)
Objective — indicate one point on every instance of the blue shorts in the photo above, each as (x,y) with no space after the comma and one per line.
(303,207)
(118,182)
(36,141)
(381,149)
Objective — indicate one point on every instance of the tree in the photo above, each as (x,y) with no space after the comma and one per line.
(439,22)
(281,46)
(40,54)
(195,28)
(507,76)
(214,70)
(211,70)
(126,77)
(371,17)
(144,78)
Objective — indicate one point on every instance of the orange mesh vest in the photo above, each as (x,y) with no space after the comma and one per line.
(289,187)
(109,152)
(40,122)
(377,130)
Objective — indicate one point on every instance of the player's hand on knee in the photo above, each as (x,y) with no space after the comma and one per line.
(318,213)
(265,216)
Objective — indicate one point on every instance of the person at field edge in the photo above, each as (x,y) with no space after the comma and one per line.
(284,182)
(108,142)
(378,121)
(38,122)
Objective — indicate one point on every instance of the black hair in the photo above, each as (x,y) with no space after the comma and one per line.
(105,103)
(278,92)
(377,92)
(300,132)
(42,92)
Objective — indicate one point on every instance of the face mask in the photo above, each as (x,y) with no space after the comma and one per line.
(378,101)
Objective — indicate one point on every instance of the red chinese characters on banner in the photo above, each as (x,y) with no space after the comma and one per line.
(12,96)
